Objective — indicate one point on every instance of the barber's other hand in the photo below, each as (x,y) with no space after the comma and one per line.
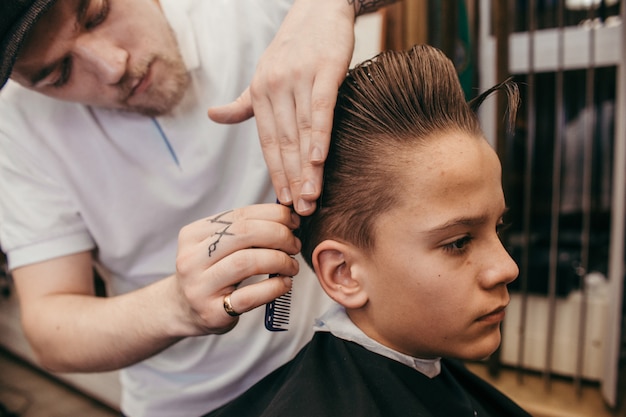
(216,253)
(293,95)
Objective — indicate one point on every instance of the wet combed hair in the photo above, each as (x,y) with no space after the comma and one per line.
(388,105)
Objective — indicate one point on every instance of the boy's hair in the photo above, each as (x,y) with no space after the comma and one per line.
(386,106)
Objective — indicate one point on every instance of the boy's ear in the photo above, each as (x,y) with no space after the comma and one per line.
(340,272)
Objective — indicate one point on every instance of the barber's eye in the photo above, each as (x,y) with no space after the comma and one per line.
(98,15)
(64,73)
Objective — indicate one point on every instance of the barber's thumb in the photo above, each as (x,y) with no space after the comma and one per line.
(233,112)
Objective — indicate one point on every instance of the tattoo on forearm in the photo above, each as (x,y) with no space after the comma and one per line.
(368,6)
(220,234)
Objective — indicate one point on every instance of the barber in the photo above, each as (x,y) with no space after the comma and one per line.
(108,162)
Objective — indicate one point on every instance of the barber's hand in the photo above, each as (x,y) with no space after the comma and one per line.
(217,253)
(293,95)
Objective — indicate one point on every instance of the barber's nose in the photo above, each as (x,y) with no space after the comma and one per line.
(499,268)
(102,58)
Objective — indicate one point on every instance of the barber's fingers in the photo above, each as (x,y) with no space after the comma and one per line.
(282,110)
(246,263)
(234,112)
(249,297)
(315,128)
(275,114)
(286,121)
(221,251)
(307,188)
(295,136)
(277,130)
(223,222)
(217,253)
(230,241)
(205,292)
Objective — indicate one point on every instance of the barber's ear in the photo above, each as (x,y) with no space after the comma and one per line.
(339,269)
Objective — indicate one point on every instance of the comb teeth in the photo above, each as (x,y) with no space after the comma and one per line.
(277,313)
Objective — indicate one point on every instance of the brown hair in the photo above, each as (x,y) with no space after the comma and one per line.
(394,102)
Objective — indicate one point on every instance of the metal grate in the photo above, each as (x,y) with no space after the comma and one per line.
(564,180)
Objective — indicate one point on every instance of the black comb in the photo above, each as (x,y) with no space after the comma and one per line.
(277,311)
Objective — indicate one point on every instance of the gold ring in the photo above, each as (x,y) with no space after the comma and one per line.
(228,307)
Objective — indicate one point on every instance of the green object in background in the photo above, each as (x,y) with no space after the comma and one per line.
(453,37)
(463,52)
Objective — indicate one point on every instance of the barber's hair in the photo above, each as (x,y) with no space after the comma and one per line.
(393,103)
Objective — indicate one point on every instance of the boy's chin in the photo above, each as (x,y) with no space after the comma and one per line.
(481,351)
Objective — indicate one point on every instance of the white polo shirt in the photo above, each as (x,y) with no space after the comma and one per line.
(76,178)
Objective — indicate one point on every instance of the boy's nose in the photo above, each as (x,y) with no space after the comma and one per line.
(500,267)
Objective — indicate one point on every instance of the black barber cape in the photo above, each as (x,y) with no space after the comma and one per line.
(332,377)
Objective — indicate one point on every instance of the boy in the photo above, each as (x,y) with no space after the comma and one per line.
(405,240)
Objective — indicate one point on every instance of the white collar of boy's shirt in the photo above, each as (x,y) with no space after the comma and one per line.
(337,322)
(176,14)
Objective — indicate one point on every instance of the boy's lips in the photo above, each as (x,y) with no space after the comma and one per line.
(494,316)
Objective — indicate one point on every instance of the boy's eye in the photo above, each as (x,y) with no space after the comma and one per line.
(501,227)
(459,245)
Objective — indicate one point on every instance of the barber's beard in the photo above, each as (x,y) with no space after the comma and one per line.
(162,97)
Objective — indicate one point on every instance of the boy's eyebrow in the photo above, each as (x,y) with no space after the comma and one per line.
(459,221)
(468,221)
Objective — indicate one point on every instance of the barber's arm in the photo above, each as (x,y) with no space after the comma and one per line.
(294,91)
(72,330)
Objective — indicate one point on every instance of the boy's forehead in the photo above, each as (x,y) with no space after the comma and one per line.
(452,170)
(444,155)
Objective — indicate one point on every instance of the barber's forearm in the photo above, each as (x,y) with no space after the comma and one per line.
(81,333)
(368,6)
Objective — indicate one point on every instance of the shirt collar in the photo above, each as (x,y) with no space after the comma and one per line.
(337,322)
(177,14)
